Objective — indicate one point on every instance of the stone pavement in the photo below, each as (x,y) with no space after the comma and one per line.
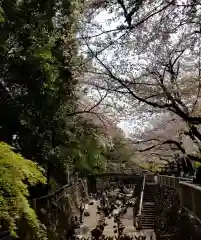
(109,229)
(90,223)
(127,221)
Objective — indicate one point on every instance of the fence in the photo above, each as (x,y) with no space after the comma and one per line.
(171,181)
(190,197)
(55,210)
(189,193)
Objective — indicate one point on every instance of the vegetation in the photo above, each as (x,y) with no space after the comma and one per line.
(16,172)
(41,116)
(62,97)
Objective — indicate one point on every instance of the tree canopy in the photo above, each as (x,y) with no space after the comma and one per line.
(16,173)
(43,116)
(149,58)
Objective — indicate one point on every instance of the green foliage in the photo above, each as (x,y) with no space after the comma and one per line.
(196,164)
(89,157)
(87,152)
(16,174)
(153,167)
(38,57)
(37,54)
(120,151)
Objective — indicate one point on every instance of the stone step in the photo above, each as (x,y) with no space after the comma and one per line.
(145,208)
(148,211)
(147,227)
(148,218)
(151,206)
(147,215)
(147,223)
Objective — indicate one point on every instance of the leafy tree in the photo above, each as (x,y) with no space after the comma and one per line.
(120,154)
(39,106)
(89,156)
(16,175)
(37,54)
(119,151)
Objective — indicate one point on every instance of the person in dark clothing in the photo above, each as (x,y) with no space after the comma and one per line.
(178,174)
(97,232)
(197,179)
(190,167)
(81,212)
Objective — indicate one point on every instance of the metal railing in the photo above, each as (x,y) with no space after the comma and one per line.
(190,197)
(171,181)
(139,215)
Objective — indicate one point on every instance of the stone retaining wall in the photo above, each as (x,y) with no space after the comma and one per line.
(56,211)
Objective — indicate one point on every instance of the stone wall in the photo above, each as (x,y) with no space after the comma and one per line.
(56,211)
(172,222)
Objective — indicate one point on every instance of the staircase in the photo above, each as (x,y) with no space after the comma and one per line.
(148,209)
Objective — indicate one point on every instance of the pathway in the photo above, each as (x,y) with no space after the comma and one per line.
(127,221)
(109,229)
(89,223)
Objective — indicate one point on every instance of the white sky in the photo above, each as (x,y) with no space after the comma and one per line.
(127,125)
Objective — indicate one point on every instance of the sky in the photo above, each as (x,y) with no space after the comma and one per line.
(127,125)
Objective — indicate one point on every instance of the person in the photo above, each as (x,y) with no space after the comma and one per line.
(197,179)
(71,232)
(97,232)
(103,198)
(81,211)
(178,173)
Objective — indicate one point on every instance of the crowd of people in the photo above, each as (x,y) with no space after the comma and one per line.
(113,203)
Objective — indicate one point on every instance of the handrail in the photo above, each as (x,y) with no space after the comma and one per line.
(182,178)
(171,181)
(190,195)
(53,193)
(139,215)
(191,185)
(142,196)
